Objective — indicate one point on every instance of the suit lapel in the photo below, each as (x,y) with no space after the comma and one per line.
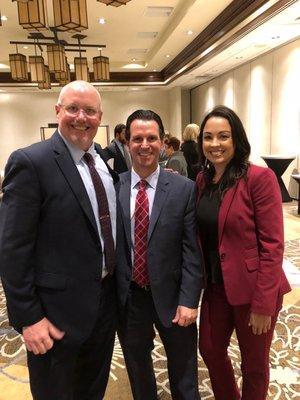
(161,194)
(124,199)
(224,209)
(114,175)
(71,174)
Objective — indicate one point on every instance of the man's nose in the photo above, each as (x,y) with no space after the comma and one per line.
(81,114)
(145,143)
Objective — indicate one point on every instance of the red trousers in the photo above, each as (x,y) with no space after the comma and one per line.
(218,319)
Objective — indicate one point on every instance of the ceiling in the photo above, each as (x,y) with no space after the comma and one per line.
(225,34)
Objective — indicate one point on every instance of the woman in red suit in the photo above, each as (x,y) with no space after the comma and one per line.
(241,230)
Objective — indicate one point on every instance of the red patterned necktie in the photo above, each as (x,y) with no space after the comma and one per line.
(141,224)
(104,216)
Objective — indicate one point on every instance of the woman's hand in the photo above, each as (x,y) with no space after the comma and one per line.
(260,323)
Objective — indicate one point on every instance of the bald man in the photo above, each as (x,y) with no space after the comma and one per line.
(56,262)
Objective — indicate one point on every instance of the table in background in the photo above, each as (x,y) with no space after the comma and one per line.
(279,164)
(297,179)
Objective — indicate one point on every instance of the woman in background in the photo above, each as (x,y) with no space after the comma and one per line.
(190,149)
(241,229)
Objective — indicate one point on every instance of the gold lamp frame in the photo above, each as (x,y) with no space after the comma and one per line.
(70,15)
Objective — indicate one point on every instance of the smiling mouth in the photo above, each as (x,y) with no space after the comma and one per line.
(80,128)
(217,153)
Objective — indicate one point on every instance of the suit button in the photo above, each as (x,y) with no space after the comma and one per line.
(222,257)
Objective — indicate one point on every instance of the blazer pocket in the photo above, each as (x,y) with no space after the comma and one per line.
(51,281)
(252,263)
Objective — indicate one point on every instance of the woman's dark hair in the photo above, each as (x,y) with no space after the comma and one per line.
(238,165)
(144,115)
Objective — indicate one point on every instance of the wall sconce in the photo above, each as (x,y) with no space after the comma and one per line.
(70,15)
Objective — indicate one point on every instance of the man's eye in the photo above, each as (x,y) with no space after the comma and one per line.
(152,139)
(90,111)
(72,109)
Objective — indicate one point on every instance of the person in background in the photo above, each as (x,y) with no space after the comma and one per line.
(176,160)
(159,277)
(190,149)
(240,224)
(118,151)
(57,258)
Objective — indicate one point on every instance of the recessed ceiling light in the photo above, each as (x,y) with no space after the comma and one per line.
(168,55)
(189,32)
(3,66)
(133,59)
(25,47)
(4,18)
(101,21)
(154,70)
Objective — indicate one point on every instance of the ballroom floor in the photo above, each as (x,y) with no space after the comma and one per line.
(284,361)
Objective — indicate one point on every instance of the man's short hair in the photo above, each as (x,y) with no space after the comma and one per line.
(174,143)
(144,115)
(119,128)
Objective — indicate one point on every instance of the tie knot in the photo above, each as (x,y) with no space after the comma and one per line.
(143,185)
(88,158)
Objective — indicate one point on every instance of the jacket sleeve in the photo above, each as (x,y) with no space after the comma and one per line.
(267,204)
(19,216)
(193,267)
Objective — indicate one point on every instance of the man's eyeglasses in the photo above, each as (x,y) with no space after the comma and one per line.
(72,109)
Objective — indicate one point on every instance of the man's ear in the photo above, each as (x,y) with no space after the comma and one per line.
(57,109)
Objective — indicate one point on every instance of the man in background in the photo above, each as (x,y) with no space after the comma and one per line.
(176,160)
(159,276)
(118,151)
(57,256)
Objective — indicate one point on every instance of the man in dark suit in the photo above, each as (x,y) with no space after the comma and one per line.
(160,277)
(118,151)
(58,284)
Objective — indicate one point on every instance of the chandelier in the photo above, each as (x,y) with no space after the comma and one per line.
(69,16)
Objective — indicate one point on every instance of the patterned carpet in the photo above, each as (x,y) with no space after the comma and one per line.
(284,360)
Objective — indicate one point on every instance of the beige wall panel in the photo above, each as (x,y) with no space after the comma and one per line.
(241,94)
(286,108)
(260,107)
(226,89)
(204,98)
(174,107)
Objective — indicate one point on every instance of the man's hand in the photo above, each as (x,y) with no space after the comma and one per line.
(39,337)
(185,316)
(260,323)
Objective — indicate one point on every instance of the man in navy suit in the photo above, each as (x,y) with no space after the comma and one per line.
(118,151)
(59,293)
(159,276)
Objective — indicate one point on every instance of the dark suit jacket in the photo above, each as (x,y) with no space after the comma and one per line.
(251,241)
(50,251)
(113,151)
(173,256)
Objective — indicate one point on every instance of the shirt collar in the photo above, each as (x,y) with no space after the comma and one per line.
(151,179)
(76,152)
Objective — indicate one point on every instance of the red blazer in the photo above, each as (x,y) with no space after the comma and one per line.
(251,243)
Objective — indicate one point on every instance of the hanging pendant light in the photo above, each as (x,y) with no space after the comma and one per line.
(18,66)
(56,57)
(70,15)
(37,67)
(81,68)
(64,77)
(46,84)
(101,68)
(32,14)
(115,3)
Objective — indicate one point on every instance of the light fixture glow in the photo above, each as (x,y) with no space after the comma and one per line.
(101,21)
(189,32)
(4,18)
(168,55)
